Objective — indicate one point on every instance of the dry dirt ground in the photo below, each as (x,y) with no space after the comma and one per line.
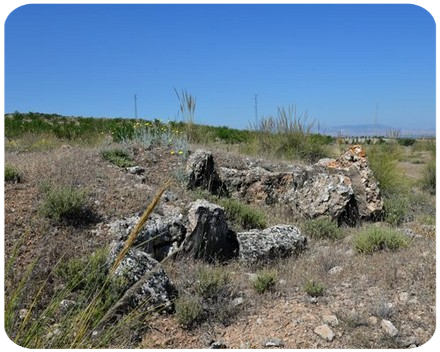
(359,294)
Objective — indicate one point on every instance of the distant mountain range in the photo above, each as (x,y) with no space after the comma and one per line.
(375,130)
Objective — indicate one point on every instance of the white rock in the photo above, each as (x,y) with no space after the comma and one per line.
(404,297)
(331,320)
(325,332)
(412,348)
(389,328)
(335,270)
(372,320)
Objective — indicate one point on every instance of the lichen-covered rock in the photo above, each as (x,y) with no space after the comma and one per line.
(160,236)
(209,237)
(202,173)
(272,243)
(354,164)
(343,189)
(157,290)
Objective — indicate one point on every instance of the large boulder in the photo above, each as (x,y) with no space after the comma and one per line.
(272,243)
(209,237)
(354,164)
(159,237)
(202,173)
(342,189)
(155,292)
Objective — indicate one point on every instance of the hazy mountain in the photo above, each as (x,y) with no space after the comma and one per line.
(375,130)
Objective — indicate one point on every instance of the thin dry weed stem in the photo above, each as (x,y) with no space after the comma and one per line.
(132,237)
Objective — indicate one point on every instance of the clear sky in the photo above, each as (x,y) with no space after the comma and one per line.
(338,63)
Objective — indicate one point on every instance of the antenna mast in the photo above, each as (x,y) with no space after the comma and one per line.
(135,107)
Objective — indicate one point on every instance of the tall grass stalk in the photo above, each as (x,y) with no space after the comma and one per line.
(143,219)
(187,107)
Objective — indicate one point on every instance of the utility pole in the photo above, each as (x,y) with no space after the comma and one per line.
(135,107)
(256,108)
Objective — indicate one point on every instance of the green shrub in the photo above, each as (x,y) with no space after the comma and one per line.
(12,174)
(322,229)
(383,161)
(211,281)
(314,289)
(119,157)
(265,280)
(243,215)
(63,203)
(434,148)
(373,239)
(85,286)
(428,180)
(188,309)
(287,135)
(396,208)
(406,142)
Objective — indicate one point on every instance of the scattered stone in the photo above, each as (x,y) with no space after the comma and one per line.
(335,270)
(325,332)
(389,328)
(372,321)
(237,301)
(331,320)
(404,297)
(412,348)
(405,342)
(65,304)
(135,170)
(217,345)
(210,238)
(259,321)
(272,243)
(22,313)
(273,342)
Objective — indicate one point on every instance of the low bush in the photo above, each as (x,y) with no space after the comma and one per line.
(243,215)
(83,294)
(188,309)
(64,203)
(265,280)
(383,161)
(12,174)
(322,229)
(396,208)
(373,239)
(429,179)
(211,281)
(314,288)
(117,156)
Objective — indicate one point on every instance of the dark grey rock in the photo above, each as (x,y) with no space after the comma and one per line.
(217,345)
(202,173)
(275,242)
(159,237)
(209,237)
(157,290)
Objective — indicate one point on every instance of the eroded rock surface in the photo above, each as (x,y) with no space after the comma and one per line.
(343,189)
(209,237)
(272,243)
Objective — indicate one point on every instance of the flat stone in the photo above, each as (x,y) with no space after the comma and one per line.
(331,320)
(325,332)
(389,328)
(273,342)
(335,270)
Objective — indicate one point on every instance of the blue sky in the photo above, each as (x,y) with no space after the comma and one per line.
(338,63)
